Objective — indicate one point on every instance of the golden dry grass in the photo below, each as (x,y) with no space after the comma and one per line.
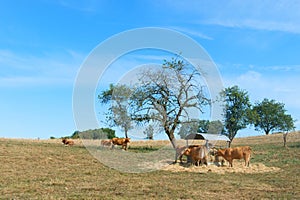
(46,169)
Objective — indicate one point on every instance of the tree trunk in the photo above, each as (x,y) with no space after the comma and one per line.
(229,143)
(126,133)
(172,139)
(284,138)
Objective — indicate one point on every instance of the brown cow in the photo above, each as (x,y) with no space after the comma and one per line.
(66,142)
(120,141)
(106,143)
(236,153)
(198,154)
(181,151)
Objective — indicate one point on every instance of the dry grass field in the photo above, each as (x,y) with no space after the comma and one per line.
(46,169)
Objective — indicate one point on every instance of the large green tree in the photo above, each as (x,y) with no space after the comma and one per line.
(237,108)
(271,116)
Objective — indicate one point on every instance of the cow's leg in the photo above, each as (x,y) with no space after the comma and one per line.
(180,158)
(247,160)
(230,162)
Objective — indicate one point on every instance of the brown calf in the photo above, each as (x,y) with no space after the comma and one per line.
(106,143)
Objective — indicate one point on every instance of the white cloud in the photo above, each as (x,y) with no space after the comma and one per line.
(249,77)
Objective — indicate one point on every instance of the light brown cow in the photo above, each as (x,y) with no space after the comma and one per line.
(198,154)
(236,153)
(68,142)
(120,141)
(106,143)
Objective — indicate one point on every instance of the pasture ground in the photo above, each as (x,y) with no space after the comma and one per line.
(46,169)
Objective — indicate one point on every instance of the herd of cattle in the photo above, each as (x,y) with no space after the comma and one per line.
(196,154)
(201,154)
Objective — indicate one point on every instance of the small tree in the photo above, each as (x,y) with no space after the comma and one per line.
(149,132)
(271,116)
(236,110)
(287,125)
(118,114)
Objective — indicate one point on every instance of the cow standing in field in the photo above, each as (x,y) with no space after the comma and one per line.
(236,153)
(198,154)
(67,142)
(181,151)
(120,141)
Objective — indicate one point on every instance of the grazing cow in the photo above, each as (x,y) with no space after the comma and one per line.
(198,154)
(181,151)
(106,143)
(236,153)
(67,142)
(120,141)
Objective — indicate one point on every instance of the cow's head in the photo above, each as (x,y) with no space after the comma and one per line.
(187,151)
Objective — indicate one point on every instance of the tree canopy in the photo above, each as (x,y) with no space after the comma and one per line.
(271,116)
(165,95)
(118,115)
(237,108)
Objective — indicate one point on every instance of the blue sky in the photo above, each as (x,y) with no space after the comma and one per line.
(255,45)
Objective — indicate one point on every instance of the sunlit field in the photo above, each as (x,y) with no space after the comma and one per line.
(46,169)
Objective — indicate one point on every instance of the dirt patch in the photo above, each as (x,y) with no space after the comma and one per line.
(237,168)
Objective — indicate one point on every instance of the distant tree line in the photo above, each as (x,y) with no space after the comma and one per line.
(93,134)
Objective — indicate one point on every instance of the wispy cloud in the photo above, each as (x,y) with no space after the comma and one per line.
(267,15)
(259,24)
(193,33)
(19,70)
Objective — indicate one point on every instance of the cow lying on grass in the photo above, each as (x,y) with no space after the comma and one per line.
(106,143)
(67,142)
(120,141)
(236,153)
